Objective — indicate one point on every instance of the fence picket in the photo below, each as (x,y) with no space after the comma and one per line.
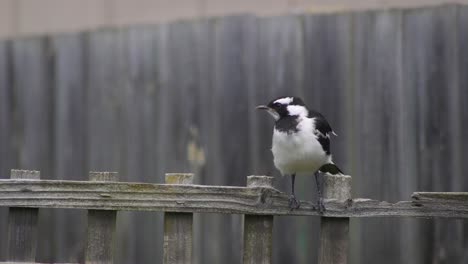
(258,229)
(101,228)
(178,238)
(22,225)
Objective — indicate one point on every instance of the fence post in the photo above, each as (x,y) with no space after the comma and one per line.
(101,228)
(22,225)
(258,229)
(334,232)
(178,227)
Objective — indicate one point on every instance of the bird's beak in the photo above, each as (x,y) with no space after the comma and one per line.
(262,107)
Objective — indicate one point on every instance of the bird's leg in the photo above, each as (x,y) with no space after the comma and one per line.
(293,202)
(318,181)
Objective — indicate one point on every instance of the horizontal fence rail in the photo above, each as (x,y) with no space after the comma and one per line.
(261,200)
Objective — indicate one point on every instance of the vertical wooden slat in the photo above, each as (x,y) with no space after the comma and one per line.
(334,232)
(101,228)
(7,151)
(22,225)
(143,162)
(258,229)
(69,140)
(178,239)
(33,111)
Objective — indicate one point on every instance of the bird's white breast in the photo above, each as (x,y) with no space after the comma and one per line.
(300,151)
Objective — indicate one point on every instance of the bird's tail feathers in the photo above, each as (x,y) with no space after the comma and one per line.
(331,168)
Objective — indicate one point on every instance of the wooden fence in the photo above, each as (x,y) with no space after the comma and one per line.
(103,196)
(392,84)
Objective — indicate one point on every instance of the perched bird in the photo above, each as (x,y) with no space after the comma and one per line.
(301,143)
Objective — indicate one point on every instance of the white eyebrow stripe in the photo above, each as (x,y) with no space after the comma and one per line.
(298,110)
(285,100)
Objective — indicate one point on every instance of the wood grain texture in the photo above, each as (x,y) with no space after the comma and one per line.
(8,152)
(22,225)
(258,229)
(33,119)
(178,235)
(207,199)
(69,130)
(334,232)
(101,228)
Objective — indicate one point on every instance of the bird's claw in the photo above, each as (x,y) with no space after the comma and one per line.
(320,205)
(294,203)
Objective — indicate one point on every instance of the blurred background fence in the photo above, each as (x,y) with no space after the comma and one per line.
(177,97)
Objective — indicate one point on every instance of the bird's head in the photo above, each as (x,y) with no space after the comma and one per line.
(285,106)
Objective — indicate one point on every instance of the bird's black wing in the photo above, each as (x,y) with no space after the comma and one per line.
(322,130)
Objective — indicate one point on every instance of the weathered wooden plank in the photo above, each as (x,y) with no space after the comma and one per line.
(7,151)
(328,89)
(178,237)
(334,232)
(204,199)
(144,161)
(280,72)
(33,118)
(104,93)
(462,181)
(430,62)
(69,139)
(101,228)
(22,225)
(258,229)
(231,95)
(9,262)
(377,80)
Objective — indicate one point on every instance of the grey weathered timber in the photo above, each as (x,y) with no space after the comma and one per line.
(101,227)
(69,140)
(334,232)
(22,225)
(22,262)
(212,199)
(258,229)
(178,238)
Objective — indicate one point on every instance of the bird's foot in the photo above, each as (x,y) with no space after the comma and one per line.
(320,205)
(294,203)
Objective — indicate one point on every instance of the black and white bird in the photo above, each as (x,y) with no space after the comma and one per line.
(301,143)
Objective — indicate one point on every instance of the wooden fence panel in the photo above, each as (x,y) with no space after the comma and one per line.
(144,162)
(327,88)
(70,139)
(178,228)
(106,79)
(8,150)
(33,102)
(201,141)
(430,44)
(462,26)
(280,73)
(229,86)
(376,71)
(258,229)
(100,241)
(22,226)
(391,83)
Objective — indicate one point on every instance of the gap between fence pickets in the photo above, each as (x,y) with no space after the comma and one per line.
(213,199)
